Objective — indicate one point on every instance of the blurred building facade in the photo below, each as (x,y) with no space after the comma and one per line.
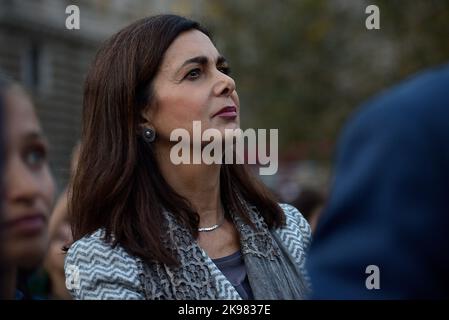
(51,61)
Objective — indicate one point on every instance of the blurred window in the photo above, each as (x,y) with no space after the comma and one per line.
(35,67)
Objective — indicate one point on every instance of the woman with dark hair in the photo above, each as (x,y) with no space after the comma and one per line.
(27,191)
(146,228)
(3,288)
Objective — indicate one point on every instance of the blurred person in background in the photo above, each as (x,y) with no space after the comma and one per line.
(28,190)
(389,205)
(310,203)
(60,236)
(145,228)
(2,161)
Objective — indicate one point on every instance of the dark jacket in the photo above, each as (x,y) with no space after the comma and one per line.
(389,204)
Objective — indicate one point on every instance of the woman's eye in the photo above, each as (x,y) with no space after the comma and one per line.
(225,69)
(193,74)
(35,157)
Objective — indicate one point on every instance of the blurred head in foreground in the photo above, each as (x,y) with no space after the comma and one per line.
(28,186)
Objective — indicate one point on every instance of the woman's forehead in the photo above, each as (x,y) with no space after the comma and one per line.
(187,45)
(21,118)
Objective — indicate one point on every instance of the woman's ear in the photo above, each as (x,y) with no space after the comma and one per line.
(145,127)
(147,115)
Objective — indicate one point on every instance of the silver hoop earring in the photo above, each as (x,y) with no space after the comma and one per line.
(149,134)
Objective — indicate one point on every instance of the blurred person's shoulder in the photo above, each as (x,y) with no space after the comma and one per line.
(419,98)
(412,114)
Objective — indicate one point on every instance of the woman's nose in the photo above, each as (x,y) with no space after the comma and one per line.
(22,184)
(225,85)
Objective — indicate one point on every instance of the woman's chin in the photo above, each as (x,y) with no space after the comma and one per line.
(27,253)
(232,125)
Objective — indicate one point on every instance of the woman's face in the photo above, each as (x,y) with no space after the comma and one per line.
(28,184)
(60,235)
(193,85)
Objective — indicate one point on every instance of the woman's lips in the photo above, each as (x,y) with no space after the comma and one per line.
(227,112)
(29,224)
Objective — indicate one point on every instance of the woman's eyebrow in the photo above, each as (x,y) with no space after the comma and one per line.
(35,136)
(202,60)
(221,60)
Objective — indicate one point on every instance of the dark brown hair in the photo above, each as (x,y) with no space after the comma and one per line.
(118,185)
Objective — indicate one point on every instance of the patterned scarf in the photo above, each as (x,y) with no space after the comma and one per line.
(271,259)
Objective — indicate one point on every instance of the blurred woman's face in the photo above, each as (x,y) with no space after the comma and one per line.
(193,85)
(60,236)
(28,185)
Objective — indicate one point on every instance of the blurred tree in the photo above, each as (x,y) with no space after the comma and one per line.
(302,66)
